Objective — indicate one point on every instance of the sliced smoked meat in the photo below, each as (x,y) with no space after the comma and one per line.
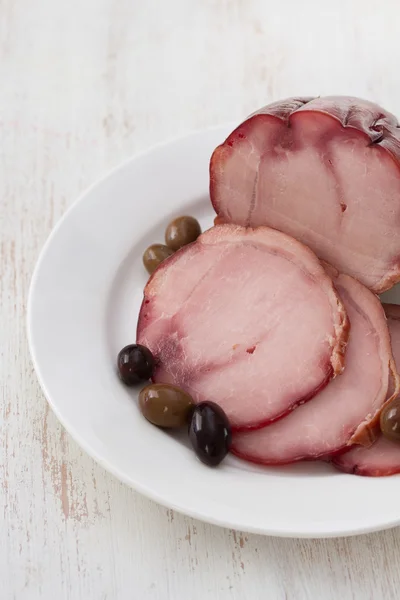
(383,457)
(246,318)
(325,171)
(344,412)
(393,315)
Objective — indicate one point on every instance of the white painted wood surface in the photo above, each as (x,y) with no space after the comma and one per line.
(83,85)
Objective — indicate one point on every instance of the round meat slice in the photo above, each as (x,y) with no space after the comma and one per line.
(383,457)
(346,411)
(246,318)
(324,170)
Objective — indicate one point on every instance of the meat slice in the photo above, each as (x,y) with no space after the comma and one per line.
(346,410)
(393,316)
(383,457)
(324,170)
(246,318)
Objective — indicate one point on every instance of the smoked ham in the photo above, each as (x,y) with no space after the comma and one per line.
(346,411)
(393,315)
(383,457)
(323,170)
(246,318)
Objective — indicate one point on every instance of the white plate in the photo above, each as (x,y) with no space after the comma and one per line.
(83,305)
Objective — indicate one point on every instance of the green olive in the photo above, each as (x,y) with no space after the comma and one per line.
(154,256)
(165,405)
(390,420)
(182,231)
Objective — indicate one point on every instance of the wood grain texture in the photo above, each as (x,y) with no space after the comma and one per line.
(83,86)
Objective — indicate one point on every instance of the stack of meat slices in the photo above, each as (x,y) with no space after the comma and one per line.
(273,313)
(383,457)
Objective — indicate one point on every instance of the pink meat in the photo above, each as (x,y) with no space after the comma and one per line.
(393,315)
(344,412)
(324,170)
(383,458)
(246,318)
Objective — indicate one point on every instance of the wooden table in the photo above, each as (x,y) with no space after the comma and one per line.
(83,85)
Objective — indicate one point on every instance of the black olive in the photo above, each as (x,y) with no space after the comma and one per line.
(210,433)
(135,364)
